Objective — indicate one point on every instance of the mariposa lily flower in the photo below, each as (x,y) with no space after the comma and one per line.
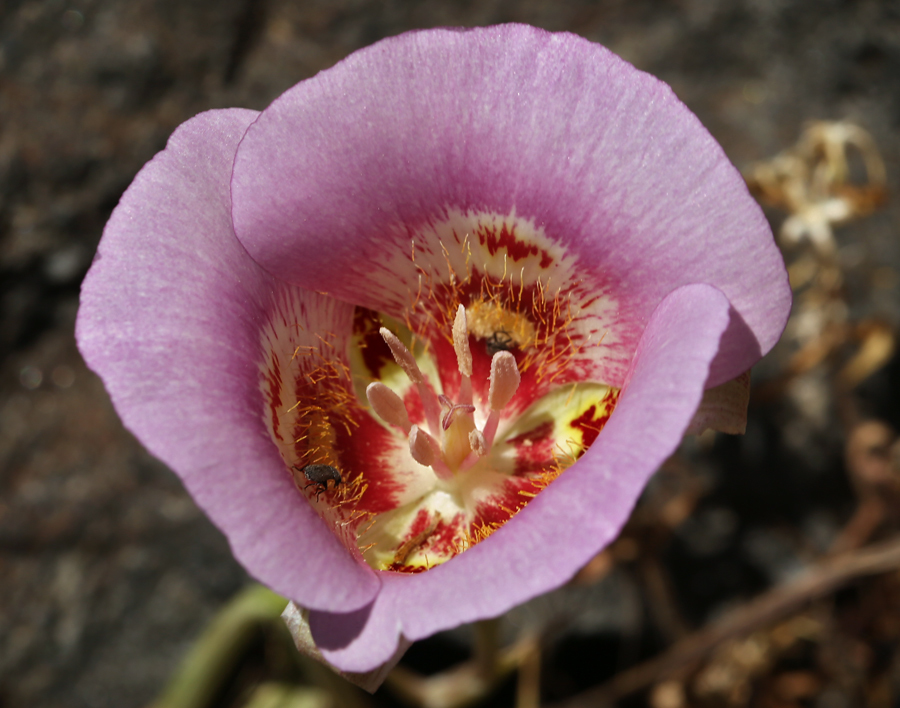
(416,335)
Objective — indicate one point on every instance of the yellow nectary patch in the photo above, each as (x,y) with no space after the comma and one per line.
(487,318)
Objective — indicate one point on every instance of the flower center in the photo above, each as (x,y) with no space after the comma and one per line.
(453,442)
(416,436)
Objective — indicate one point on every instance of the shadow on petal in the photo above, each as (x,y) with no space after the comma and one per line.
(738,344)
(333,630)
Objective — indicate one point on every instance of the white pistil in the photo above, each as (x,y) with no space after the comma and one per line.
(505,380)
(406,361)
(463,355)
(448,416)
(388,406)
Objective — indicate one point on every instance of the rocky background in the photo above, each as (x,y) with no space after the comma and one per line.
(108,572)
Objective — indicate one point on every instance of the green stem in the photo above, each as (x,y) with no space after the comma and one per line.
(214,656)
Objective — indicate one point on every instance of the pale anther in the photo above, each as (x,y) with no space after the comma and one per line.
(477,443)
(406,361)
(388,405)
(504,380)
(420,447)
(404,358)
(461,342)
(463,355)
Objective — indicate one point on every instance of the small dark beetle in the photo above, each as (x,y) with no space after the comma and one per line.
(499,341)
(319,476)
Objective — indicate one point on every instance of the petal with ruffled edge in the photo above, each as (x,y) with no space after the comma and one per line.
(442,132)
(173,317)
(497,155)
(583,510)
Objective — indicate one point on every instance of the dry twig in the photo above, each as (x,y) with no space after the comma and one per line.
(818,581)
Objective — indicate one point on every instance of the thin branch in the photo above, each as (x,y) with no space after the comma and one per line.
(822,579)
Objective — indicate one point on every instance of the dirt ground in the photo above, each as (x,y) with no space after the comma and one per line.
(108,572)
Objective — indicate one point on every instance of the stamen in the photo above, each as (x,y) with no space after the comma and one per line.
(419,448)
(388,405)
(477,443)
(505,380)
(403,356)
(426,451)
(461,342)
(406,361)
(463,355)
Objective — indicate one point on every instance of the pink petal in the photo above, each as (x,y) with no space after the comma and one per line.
(576,516)
(297,621)
(344,166)
(170,318)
